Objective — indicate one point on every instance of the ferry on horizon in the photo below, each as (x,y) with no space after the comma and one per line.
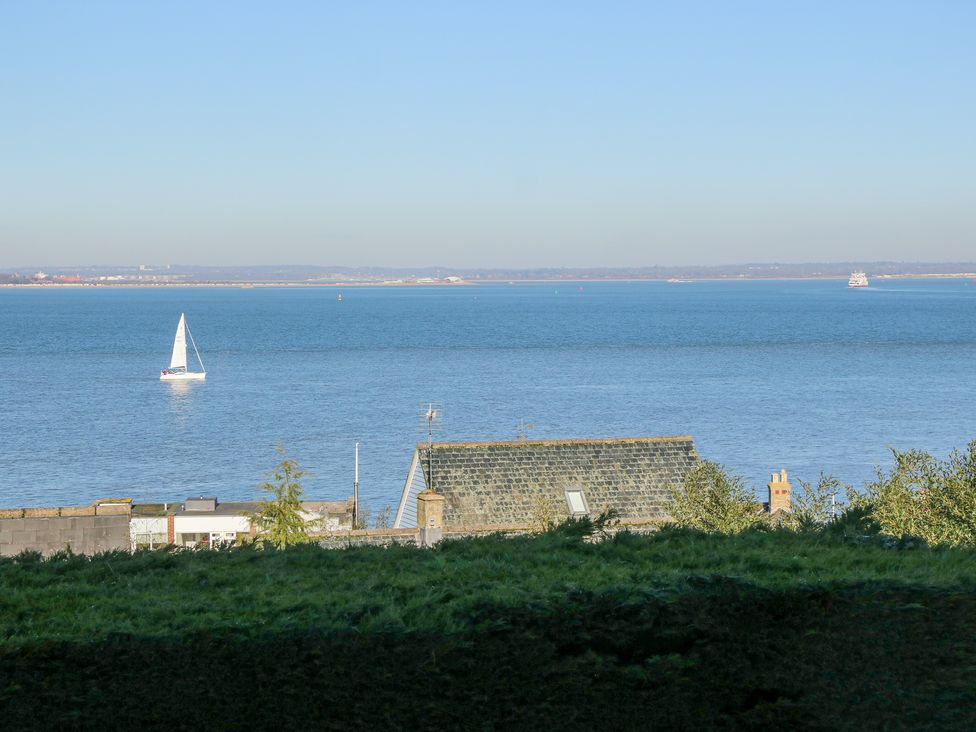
(858,279)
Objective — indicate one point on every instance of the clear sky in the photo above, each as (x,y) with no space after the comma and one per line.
(486,133)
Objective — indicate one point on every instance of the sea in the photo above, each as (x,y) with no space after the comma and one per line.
(810,376)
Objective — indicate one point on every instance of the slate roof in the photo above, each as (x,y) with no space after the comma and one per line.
(497,483)
(224,508)
(236,508)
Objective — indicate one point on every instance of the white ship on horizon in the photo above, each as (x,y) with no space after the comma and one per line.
(858,279)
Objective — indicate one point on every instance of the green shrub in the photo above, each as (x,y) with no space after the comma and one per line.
(924,497)
(280,519)
(680,629)
(812,506)
(854,524)
(714,500)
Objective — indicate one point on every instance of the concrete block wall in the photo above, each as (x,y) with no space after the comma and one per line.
(87,534)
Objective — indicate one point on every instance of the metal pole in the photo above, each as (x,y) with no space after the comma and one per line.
(355,492)
(430,445)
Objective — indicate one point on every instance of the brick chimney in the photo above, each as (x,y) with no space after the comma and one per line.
(779,492)
(430,517)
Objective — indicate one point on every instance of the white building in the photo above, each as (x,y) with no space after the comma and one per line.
(148,532)
(203,522)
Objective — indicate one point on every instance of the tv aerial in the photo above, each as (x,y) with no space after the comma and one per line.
(431,414)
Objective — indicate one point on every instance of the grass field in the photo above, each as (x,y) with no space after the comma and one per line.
(677,629)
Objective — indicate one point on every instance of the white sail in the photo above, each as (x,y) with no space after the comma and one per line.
(177,364)
(179,346)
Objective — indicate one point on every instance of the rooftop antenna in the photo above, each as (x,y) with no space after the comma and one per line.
(431,413)
(522,429)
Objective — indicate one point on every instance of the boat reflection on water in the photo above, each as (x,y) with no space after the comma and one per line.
(180,398)
(180,389)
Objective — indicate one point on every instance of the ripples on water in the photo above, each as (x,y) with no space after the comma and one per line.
(807,375)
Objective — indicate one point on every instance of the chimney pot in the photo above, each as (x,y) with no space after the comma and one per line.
(779,492)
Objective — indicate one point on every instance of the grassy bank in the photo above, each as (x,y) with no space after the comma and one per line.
(677,629)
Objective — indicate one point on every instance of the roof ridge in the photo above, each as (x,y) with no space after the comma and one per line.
(569,441)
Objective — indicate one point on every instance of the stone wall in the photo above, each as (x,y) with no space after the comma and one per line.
(500,483)
(412,537)
(634,526)
(368,537)
(85,534)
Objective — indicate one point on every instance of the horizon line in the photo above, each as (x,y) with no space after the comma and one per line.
(499,268)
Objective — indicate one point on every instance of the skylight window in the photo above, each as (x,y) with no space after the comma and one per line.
(577,503)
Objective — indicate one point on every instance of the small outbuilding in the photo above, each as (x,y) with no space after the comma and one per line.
(511,483)
(203,521)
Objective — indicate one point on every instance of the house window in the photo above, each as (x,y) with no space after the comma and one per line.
(151,540)
(577,503)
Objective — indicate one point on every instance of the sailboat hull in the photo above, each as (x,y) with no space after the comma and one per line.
(186,376)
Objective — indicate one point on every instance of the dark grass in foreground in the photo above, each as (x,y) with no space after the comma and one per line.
(678,630)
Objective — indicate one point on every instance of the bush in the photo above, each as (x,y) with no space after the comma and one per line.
(585,527)
(280,519)
(854,524)
(812,506)
(924,497)
(674,630)
(713,500)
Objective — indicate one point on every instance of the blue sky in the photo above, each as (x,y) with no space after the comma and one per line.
(486,134)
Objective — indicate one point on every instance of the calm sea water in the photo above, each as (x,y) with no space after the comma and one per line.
(810,376)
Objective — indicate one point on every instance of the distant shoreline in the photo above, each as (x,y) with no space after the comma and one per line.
(229,285)
(244,285)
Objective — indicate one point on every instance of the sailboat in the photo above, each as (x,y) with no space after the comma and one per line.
(177,364)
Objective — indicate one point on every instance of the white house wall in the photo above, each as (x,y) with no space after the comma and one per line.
(147,525)
(406,515)
(321,521)
(210,524)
